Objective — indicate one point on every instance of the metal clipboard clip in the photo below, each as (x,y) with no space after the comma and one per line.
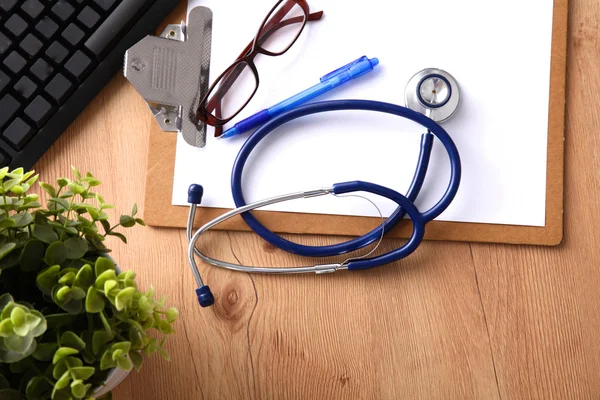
(171,73)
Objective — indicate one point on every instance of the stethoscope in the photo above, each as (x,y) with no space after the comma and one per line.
(432,96)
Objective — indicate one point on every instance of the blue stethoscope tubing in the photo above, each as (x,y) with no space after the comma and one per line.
(406,203)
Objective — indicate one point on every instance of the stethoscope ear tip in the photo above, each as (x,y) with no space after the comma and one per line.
(195,193)
(205,296)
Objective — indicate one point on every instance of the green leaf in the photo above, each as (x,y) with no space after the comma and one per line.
(22,219)
(125,298)
(85,277)
(119,235)
(18,189)
(8,185)
(76,248)
(33,204)
(109,285)
(62,182)
(103,264)
(75,188)
(93,182)
(135,210)
(83,373)
(127,221)
(105,276)
(48,278)
(124,347)
(91,233)
(37,388)
(94,303)
(140,221)
(99,340)
(135,338)
(7,223)
(67,279)
(76,173)
(45,351)
(78,389)
(17,316)
(33,179)
(59,203)
(3,172)
(48,189)
(56,253)
(151,347)
(63,382)
(70,339)
(45,234)
(21,345)
(106,362)
(62,295)
(136,359)
(63,352)
(16,173)
(164,354)
(6,248)
(32,255)
(124,363)
(78,293)
(172,314)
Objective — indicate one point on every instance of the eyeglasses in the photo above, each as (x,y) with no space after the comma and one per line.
(237,85)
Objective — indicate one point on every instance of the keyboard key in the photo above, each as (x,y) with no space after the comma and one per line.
(38,111)
(33,8)
(73,34)
(8,108)
(16,25)
(105,4)
(25,87)
(4,81)
(42,70)
(47,27)
(113,25)
(15,62)
(63,10)
(18,133)
(79,65)
(7,5)
(88,17)
(59,88)
(31,45)
(4,43)
(4,159)
(57,52)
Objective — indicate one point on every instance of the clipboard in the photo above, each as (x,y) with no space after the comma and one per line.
(159,211)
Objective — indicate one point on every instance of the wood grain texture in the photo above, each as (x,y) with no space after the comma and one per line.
(454,321)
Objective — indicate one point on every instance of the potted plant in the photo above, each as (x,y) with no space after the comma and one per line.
(70,320)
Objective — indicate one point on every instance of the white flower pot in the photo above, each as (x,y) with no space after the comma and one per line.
(115,377)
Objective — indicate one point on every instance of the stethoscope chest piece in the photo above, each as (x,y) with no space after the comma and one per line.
(433,92)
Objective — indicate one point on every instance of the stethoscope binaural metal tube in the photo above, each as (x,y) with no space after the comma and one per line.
(419,219)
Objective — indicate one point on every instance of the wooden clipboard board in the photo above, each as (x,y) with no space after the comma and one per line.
(159,211)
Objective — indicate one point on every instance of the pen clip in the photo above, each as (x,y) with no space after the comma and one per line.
(338,71)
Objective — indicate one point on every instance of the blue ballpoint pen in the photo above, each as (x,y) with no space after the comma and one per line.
(330,81)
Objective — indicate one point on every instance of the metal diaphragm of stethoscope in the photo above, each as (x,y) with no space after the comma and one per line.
(432,96)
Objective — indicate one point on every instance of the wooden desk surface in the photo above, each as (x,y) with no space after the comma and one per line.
(454,320)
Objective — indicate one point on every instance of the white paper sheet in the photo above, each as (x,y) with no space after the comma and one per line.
(500,56)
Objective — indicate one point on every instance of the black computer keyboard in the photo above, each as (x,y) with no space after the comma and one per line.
(55,56)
